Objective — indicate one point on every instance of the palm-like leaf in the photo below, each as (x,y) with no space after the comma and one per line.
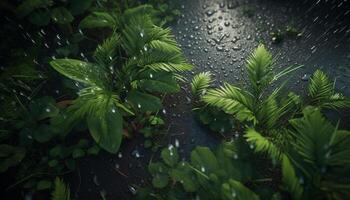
(61,190)
(290,180)
(321,153)
(200,83)
(105,54)
(232,100)
(322,93)
(263,144)
(259,67)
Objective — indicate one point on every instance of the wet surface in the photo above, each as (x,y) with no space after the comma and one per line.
(217,36)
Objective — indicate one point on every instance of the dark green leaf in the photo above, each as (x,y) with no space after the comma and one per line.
(61,15)
(144,102)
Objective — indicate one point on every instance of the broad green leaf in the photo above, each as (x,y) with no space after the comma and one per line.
(234,190)
(44,107)
(160,181)
(204,160)
(144,102)
(43,133)
(290,179)
(61,15)
(106,129)
(170,156)
(10,156)
(159,173)
(185,175)
(78,153)
(81,71)
(98,20)
(158,82)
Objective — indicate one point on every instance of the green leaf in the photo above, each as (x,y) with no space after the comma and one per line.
(78,7)
(43,133)
(204,160)
(170,156)
(235,190)
(98,20)
(290,180)
(154,120)
(263,144)
(10,156)
(200,83)
(61,15)
(160,181)
(232,100)
(78,153)
(158,82)
(144,102)
(159,173)
(94,150)
(44,107)
(184,174)
(61,190)
(106,129)
(323,94)
(77,70)
(259,67)
(53,163)
(43,185)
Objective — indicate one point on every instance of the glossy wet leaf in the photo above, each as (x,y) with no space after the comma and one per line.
(98,20)
(143,101)
(106,129)
(61,15)
(170,156)
(78,70)
(204,160)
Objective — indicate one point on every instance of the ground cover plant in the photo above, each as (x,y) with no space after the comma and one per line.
(120,91)
(307,150)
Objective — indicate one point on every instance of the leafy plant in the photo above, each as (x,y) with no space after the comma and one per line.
(208,175)
(61,190)
(113,90)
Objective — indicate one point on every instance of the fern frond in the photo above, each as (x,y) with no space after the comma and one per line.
(200,83)
(61,190)
(290,180)
(105,53)
(263,144)
(259,67)
(232,100)
(322,93)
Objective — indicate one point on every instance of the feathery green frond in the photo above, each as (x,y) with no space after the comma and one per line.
(259,67)
(269,112)
(232,100)
(290,180)
(61,190)
(322,93)
(313,133)
(263,144)
(105,53)
(200,83)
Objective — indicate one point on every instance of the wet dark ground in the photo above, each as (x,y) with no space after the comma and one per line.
(217,36)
